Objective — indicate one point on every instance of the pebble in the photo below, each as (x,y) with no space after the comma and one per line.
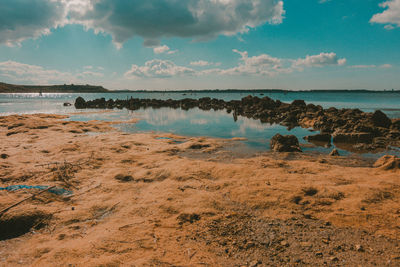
(359,248)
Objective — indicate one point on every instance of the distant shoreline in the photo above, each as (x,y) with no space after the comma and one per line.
(11,88)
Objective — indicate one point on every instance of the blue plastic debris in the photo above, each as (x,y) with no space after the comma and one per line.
(55,190)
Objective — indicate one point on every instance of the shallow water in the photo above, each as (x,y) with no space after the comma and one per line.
(217,124)
(196,122)
(389,102)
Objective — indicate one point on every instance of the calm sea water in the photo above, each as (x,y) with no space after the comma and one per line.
(197,122)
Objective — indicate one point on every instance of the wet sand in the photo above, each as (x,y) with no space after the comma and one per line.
(164,200)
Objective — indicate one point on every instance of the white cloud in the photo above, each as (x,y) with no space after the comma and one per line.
(151,19)
(160,49)
(33,74)
(390,16)
(362,66)
(157,68)
(203,63)
(323,59)
(263,64)
(383,66)
(91,73)
(163,49)
(24,19)
(386,66)
(155,19)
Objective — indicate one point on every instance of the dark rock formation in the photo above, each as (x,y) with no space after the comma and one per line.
(80,103)
(353,127)
(379,119)
(285,143)
(353,138)
(322,137)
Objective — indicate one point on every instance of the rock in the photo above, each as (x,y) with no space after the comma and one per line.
(285,143)
(359,248)
(123,178)
(334,259)
(254,263)
(388,162)
(284,243)
(353,138)
(322,137)
(298,103)
(188,218)
(67,104)
(334,153)
(396,125)
(80,103)
(380,119)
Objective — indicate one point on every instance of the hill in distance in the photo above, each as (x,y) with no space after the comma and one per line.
(66,88)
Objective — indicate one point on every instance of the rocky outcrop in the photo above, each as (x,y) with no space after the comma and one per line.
(285,143)
(353,138)
(352,127)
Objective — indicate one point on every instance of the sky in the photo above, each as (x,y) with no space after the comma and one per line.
(202,44)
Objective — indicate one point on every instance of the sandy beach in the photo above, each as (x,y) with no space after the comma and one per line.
(165,200)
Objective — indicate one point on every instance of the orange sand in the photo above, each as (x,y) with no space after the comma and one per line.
(108,222)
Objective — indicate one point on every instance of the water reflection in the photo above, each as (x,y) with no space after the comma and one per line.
(220,124)
(162,117)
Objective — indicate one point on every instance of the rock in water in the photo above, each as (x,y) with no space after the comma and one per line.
(334,153)
(380,119)
(80,103)
(388,162)
(285,143)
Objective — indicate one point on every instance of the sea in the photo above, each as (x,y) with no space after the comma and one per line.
(216,124)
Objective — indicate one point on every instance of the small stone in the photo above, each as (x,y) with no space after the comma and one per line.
(325,240)
(254,263)
(334,259)
(284,243)
(306,244)
(319,254)
(359,248)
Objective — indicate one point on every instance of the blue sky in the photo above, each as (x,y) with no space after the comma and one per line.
(202,44)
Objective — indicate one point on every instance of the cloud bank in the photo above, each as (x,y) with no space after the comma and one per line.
(33,74)
(125,19)
(260,65)
(24,19)
(157,68)
(155,19)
